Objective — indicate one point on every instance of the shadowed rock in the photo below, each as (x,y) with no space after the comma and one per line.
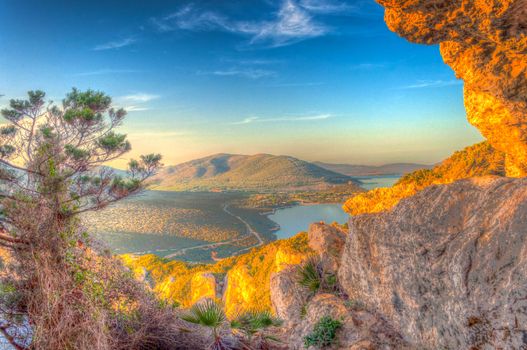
(448,266)
(327,241)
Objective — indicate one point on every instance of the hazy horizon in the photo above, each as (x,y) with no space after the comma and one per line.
(320,80)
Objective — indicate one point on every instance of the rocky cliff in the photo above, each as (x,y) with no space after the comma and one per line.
(485,43)
(241,282)
(478,160)
(448,266)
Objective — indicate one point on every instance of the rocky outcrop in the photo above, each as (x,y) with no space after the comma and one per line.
(485,43)
(327,241)
(287,297)
(247,284)
(361,330)
(477,160)
(448,266)
(203,286)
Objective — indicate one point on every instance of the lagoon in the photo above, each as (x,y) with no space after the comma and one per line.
(296,219)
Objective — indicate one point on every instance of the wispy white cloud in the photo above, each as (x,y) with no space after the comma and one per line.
(250,120)
(136,102)
(368,66)
(293,23)
(242,72)
(134,108)
(309,83)
(117,44)
(253,61)
(140,97)
(423,84)
(327,6)
(106,71)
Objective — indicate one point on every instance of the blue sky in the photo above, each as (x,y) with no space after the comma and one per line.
(317,79)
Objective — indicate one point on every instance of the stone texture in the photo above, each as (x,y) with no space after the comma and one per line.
(485,43)
(360,330)
(327,241)
(287,297)
(448,266)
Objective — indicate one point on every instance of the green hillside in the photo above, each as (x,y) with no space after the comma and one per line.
(241,172)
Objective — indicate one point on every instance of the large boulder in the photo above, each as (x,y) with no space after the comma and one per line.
(448,266)
(327,241)
(360,330)
(287,296)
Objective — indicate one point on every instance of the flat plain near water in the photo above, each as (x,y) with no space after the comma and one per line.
(191,225)
(164,222)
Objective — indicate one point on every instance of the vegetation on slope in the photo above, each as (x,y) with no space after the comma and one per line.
(56,292)
(241,172)
(333,194)
(371,170)
(478,160)
(248,274)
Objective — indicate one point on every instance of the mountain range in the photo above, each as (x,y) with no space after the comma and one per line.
(247,172)
(371,170)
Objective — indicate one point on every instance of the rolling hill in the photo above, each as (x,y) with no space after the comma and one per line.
(370,170)
(247,172)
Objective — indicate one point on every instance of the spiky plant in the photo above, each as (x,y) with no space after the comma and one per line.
(208,313)
(310,275)
(253,325)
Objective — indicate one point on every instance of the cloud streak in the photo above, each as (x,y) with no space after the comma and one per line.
(424,84)
(117,44)
(106,72)
(292,23)
(251,120)
(249,73)
(140,97)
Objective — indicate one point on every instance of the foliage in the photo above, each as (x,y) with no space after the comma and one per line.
(206,313)
(478,160)
(254,323)
(241,172)
(172,279)
(51,171)
(312,276)
(324,333)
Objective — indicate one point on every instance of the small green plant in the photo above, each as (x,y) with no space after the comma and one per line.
(324,333)
(253,324)
(310,275)
(303,311)
(208,314)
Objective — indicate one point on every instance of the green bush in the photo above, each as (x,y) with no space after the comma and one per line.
(323,333)
(310,275)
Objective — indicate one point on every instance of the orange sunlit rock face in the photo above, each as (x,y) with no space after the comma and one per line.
(485,43)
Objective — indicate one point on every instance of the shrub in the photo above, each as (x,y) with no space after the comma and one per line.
(253,325)
(210,314)
(312,276)
(323,333)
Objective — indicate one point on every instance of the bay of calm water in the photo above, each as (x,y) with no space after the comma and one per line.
(296,219)
(371,182)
